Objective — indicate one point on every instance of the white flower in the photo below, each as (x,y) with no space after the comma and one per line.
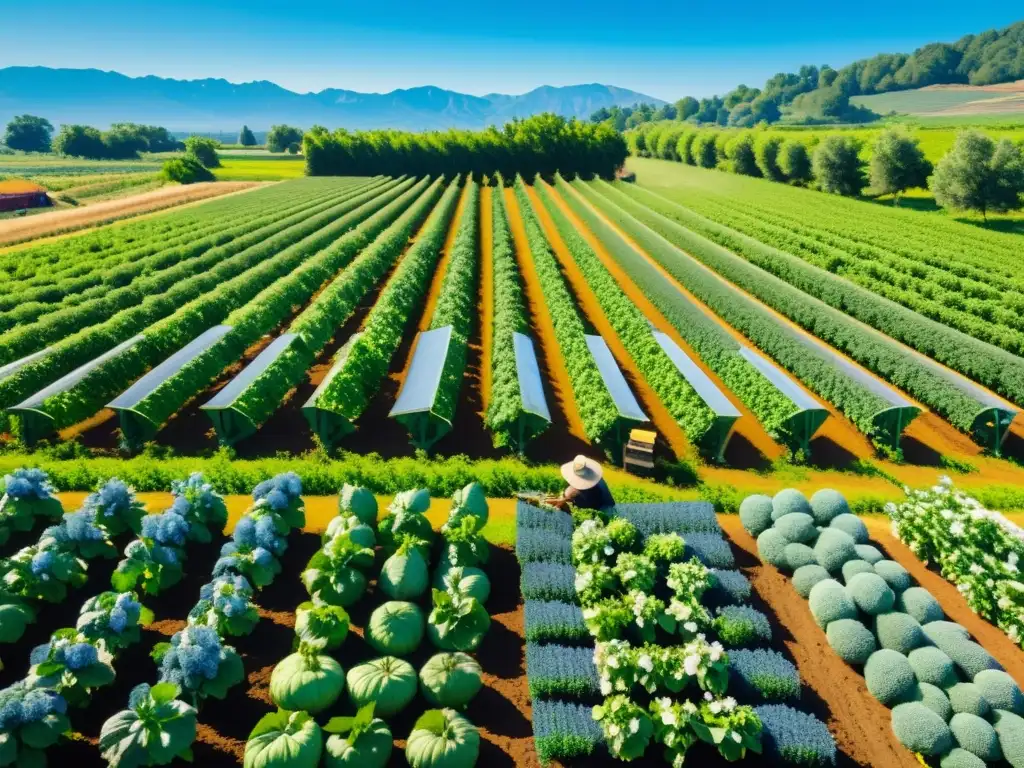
(736,737)
(613,730)
(668,717)
(715,707)
(634,725)
(708,696)
(645,663)
(606,688)
(956,529)
(729,703)
(609,550)
(691,664)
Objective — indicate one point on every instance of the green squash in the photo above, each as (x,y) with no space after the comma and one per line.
(361,533)
(306,682)
(404,575)
(354,500)
(395,628)
(442,738)
(363,741)
(390,682)
(469,501)
(450,680)
(284,740)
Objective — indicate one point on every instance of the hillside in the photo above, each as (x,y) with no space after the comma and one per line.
(99,98)
(1006,99)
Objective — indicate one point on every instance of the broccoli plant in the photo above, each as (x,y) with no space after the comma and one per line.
(199,663)
(70,666)
(154,561)
(28,496)
(111,620)
(40,573)
(156,729)
(31,721)
(202,507)
(225,604)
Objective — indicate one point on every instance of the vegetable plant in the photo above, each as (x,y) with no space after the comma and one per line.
(111,620)
(202,507)
(28,496)
(464,544)
(406,515)
(306,681)
(226,605)
(442,738)
(197,661)
(395,628)
(156,729)
(332,575)
(457,622)
(15,616)
(358,501)
(70,666)
(469,500)
(363,741)
(388,681)
(471,582)
(284,739)
(324,627)
(361,533)
(39,573)
(450,680)
(117,508)
(79,533)
(404,574)
(31,721)
(154,561)
(282,494)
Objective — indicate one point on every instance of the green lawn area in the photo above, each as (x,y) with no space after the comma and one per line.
(260,168)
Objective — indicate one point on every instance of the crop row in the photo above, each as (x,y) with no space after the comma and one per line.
(593,401)
(950,396)
(509,317)
(366,361)
(179,315)
(28,304)
(322,318)
(981,361)
(717,349)
(950,699)
(634,331)
(265,310)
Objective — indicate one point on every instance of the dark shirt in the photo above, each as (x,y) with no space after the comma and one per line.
(598,497)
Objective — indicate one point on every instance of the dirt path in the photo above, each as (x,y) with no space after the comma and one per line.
(486,295)
(832,690)
(549,356)
(74,219)
(668,428)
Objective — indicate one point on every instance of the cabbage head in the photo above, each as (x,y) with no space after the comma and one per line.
(324,627)
(360,532)
(358,501)
(306,681)
(388,682)
(450,680)
(363,741)
(395,628)
(442,738)
(284,740)
(416,501)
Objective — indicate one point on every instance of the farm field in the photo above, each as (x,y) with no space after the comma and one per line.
(949,100)
(258,166)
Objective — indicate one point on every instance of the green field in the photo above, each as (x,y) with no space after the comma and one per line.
(260,168)
(923,100)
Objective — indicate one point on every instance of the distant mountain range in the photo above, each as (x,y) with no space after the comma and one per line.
(97,98)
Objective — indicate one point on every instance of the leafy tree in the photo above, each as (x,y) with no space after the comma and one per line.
(742,159)
(124,142)
(795,162)
(897,164)
(79,141)
(837,165)
(684,147)
(187,169)
(705,153)
(766,153)
(246,138)
(149,138)
(281,137)
(204,150)
(978,174)
(686,107)
(28,133)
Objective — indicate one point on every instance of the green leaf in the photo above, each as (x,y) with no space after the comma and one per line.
(164,692)
(340,725)
(432,720)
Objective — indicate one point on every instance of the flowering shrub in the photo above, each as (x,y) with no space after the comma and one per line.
(201,506)
(225,605)
(28,495)
(42,573)
(117,508)
(608,619)
(199,664)
(665,547)
(156,729)
(730,727)
(655,668)
(591,544)
(257,542)
(31,721)
(282,495)
(594,582)
(70,666)
(635,571)
(626,725)
(154,561)
(978,550)
(79,533)
(111,620)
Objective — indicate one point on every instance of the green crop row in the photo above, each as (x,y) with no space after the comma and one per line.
(268,262)
(813,367)
(509,316)
(593,401)
(197,257)
(634,331)
(716,348)
(91,342)
(942,392)
(368,359)
(319,321)
(262,313)
(457,303)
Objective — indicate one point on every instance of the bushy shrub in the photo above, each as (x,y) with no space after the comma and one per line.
(919,603)
(889,677)
(1010,729)
(852,567)
(794,737)
(1000,690)
(548,581)
(789,500)
(936,700)
(564,731)
(711,549)
(756,514)
(728,587)
(852,525)
(558,671)
(833,548)
(538,545)
(921,730)
(931,665)
(554,622)
(187,169)
(395,628)
(967,697)
(765,674)
(871,594)
(204,150)
(771,546)
(851,640)
(805,577)
(797,527)
(869,552)
(741,625)
(829,601)
(895,575)
(899,632)
(960,758)
(827,504)
(797,555)
(976,736)
(966,654)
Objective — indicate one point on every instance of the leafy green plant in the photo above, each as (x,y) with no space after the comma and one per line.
(442,738)
(457,622)
(306,681)
(627,727)
(112,620)
(286,739)
(323,627)
(70,666)
(333,574)
(362,741)
(156,729)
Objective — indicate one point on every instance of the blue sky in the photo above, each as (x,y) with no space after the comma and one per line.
(664,49)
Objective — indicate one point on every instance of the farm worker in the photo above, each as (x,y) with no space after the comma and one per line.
(587,488)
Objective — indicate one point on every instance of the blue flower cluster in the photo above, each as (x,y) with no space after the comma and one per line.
(42,563)
(258,530)
(557,670)
(194,492)
(20,705)
(139,695)
(74,656)
(168,528)
(113,498)
(279,491)
(563,730)
(554,622)
(764,674)
(81,526)
(549,581)
(125,613)
(195,656)
(28,484)
(229,595)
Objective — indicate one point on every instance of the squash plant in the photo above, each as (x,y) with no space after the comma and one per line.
(284,739)
(389,682)
(306,681)
(332,575)
(363,741)
(404,575)
(358,501)
(156,729)
(324,627)
(443,738)
(406,515)
(70,666)
(457,622)
(361,533)
(464,544)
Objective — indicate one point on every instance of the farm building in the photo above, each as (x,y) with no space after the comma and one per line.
(16,195)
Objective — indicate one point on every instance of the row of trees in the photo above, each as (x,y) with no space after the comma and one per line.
(280,138)
(543,144)
(123,141)
(822,94)
(977,174)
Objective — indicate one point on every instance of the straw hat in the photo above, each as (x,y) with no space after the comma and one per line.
(582,473)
